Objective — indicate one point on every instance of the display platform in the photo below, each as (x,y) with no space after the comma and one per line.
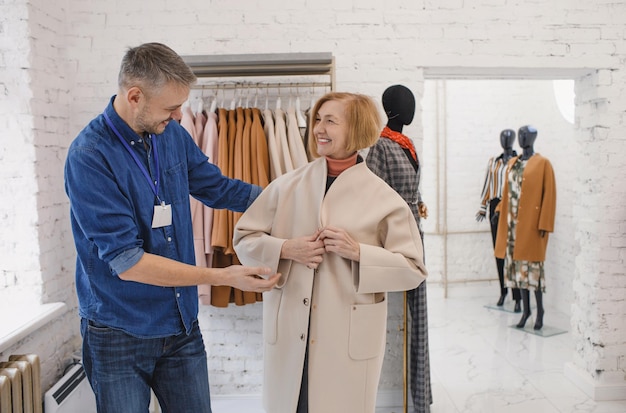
(546,331)
(508,307)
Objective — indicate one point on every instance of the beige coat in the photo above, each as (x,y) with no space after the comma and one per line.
(340,309)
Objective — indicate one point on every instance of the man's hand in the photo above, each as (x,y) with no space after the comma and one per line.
(255,279)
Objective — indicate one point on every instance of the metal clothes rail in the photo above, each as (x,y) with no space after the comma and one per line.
(264,65)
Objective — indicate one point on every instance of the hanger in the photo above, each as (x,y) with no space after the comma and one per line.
(290,104)
(200,106)
(221,105)
(299,115)
(213,104)
(256,97)
(233,103)
(278,102)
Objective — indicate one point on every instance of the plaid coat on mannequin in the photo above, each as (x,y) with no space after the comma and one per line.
(389,161)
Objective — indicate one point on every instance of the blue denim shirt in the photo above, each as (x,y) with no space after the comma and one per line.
(111,211)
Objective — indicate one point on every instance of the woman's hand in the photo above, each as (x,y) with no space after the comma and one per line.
(422,210)
(308,250)
(340,242)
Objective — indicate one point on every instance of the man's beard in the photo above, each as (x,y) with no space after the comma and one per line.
(156,128)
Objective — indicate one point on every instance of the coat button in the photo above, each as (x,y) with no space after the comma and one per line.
(305,301)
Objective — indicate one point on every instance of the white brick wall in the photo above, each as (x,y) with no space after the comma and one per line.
(37,254)
(18,252)
(48,95)
(600,285)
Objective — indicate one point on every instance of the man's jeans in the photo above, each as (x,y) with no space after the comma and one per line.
(122,369)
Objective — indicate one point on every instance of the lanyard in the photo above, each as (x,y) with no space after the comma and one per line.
(153,184)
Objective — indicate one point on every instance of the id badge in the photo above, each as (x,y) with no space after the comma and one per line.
(162,216)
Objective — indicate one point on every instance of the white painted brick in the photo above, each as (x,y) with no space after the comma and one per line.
(374,45)
(351,17)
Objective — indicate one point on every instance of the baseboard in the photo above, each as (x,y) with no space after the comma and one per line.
(390,398)
(385,398)
(255,397)
(596,390)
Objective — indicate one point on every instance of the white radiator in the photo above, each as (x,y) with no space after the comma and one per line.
(20,389)
(20,384)
(71,394)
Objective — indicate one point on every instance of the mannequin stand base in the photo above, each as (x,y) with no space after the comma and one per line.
(508,307)
(546,331)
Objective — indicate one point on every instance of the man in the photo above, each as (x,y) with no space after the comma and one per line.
(128,176)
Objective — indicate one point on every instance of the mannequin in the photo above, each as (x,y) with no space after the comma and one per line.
(491,196)
(395,160)
(522,237)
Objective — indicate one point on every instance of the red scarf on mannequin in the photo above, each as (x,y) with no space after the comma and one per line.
(400,139)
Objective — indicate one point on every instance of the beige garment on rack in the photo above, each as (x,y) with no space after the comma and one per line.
(275,158)
(210,142)
(295,141)
(280,129)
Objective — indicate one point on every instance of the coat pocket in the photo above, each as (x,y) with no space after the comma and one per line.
(367,330)
(271,307)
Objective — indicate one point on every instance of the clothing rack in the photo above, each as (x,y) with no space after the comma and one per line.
(284,65)
(260,85)
(249,78)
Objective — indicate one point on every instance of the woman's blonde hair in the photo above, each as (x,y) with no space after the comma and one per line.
(362,115)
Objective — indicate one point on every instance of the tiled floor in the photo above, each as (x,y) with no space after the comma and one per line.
(479,364)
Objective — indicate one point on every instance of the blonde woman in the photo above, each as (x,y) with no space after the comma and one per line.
(341,239)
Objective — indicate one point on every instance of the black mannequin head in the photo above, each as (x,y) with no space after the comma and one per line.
(507,137)
(526,136)
(399,105)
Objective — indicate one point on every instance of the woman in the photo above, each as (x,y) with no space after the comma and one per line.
(341,238)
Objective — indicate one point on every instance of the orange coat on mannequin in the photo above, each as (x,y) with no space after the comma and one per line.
(537,208)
